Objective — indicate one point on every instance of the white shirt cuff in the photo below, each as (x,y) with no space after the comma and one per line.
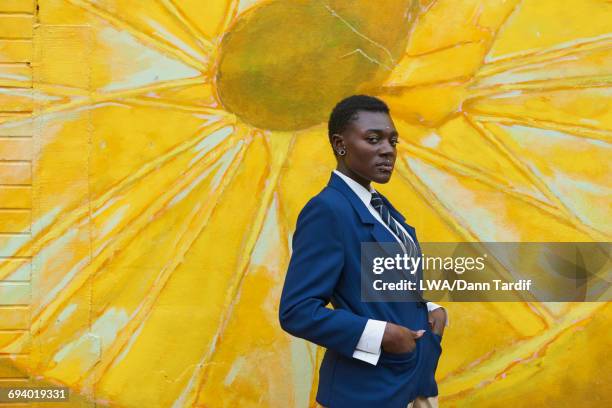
(433,306)
(369,346)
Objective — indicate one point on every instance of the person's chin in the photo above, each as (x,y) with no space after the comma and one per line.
(382,177)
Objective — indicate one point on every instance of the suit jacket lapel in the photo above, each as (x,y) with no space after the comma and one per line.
(378,231)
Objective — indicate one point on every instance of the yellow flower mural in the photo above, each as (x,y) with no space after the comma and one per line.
(155,155)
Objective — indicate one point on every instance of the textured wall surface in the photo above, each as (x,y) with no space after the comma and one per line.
(154,155)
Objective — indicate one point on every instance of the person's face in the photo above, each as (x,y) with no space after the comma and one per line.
(369,142)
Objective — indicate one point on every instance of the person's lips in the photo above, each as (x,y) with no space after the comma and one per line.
(385,166)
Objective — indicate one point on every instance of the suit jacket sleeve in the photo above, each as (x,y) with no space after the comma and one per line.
(314,269)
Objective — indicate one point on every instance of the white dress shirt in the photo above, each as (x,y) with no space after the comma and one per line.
(369,346)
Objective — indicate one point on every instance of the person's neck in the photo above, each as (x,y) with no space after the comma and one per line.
(354,176)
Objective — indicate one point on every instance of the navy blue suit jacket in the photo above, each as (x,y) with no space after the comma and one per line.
(325,267)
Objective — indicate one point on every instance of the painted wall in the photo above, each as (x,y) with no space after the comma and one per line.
(154,156)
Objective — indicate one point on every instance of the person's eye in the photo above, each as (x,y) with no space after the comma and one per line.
(394,142)
(373,139)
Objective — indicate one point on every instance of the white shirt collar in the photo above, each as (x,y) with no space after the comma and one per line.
(363,193)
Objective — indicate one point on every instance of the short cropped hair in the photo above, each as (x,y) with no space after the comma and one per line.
(346,111)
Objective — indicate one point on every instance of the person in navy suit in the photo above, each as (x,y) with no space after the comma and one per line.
(378,354)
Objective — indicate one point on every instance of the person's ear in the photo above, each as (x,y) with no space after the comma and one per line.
(338,144)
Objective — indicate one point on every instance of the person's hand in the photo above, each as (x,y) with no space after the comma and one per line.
(437,320)
(399,339)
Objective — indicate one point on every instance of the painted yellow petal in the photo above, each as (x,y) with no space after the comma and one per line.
(240,359)
(131,198)
(563,87)
(433,68)
(460,147)
(123,212)
(584,112)
(155,20)
(531,360)
(150,133)
(436,89)
(491,215)
(158,28)
(540,24)
(219,15)
(309,167)
(109,65)
(428,105)
(142,135)
(64,232)
(582,187)
(212,23)
(448,23)
(111,305)
(467,321)
(194,95)
(211,259)
(583,58)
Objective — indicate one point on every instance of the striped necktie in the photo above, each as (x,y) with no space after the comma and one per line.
(379,205)
(409,245)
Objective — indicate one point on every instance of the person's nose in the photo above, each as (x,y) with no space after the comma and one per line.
(386,149)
